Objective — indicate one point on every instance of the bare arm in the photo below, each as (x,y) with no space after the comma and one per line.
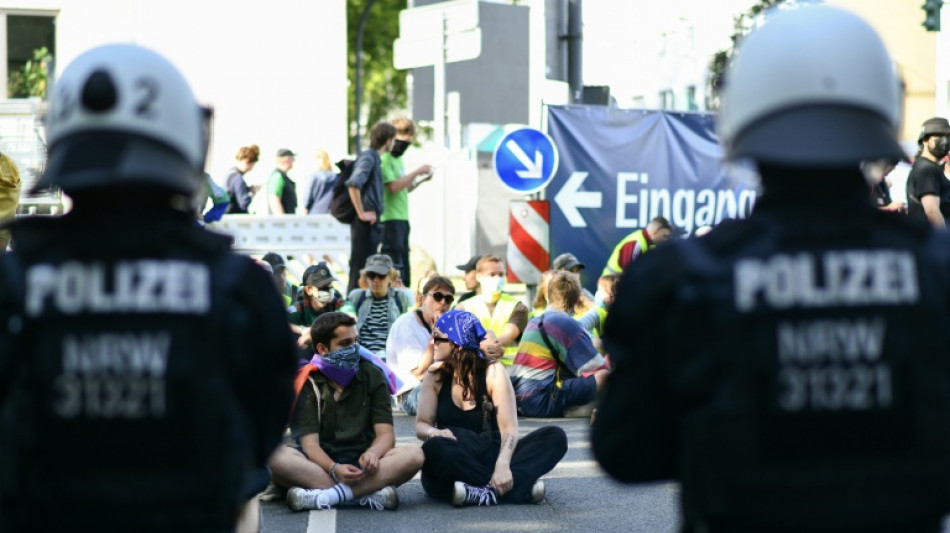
(385,440)
(311,448)
(931,205)
(425,411)
(509,334)
(503,396)
(424,362)
(273,202)
(406,181)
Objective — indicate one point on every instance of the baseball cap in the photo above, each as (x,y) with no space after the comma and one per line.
(935,125)
(284,152)
(470,265)
(318,275)
(381,264)
(275,260)
(566,262)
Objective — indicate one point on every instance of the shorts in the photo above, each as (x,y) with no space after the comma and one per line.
(549,403)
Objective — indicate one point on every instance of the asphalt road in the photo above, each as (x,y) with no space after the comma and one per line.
(580,497)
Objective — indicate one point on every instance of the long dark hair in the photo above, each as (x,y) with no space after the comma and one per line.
(463,366)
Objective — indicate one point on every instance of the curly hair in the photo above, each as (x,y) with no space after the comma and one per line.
(252,153)
(462,367)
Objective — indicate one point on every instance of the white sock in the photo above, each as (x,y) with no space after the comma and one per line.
(347,492)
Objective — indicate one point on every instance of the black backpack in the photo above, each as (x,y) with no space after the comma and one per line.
(341,206)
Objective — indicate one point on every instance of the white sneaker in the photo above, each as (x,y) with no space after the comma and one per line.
(300,499)
(537,492)
(465,494)
(384,498)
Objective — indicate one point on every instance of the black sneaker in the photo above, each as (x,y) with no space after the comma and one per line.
(465,494)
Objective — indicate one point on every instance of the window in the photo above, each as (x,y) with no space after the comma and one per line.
(29,48)
(667,101)
(691,104)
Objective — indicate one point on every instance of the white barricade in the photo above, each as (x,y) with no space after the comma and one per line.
(289,235)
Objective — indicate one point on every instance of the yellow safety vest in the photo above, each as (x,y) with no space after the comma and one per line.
(613,264)
(496,321)
(9,195)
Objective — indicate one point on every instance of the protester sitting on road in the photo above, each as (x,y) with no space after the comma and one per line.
(279,267)
(378,307)
(420,294)
(569,262)
(499,312)
(470,278)
(541,298)
(318,297)
(407,350)
(467,419)
(557,365)
(342,429)
(238,190)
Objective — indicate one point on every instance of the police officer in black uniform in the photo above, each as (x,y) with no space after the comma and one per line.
(811,391)
(145,371)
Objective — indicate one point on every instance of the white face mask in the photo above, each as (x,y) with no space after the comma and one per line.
(491,284)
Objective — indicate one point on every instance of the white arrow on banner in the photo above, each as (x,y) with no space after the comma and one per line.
(570,198)
(535,168)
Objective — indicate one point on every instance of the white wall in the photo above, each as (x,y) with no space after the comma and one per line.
(275,71)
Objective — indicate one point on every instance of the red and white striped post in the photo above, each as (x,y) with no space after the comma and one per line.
(529,236)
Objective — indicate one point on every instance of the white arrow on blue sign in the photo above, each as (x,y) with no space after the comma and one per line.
(526,160)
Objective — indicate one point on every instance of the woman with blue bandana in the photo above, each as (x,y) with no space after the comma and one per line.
(467,418)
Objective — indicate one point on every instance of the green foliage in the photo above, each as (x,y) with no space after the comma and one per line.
(31,79)
(384,87)
(742,24)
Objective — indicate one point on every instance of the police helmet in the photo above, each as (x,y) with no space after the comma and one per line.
(812,86)
(123,115)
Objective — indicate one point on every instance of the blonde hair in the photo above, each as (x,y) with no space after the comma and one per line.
(404,126)
(323,158)
(564,289)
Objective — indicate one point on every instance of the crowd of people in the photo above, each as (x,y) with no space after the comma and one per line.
(465,367)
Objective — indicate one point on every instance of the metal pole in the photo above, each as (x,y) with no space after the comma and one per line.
(358,96)
(575,39)
(438,105)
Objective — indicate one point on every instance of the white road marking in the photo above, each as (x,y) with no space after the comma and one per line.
(322,521)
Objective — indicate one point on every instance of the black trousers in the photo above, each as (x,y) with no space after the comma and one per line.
(396,246)
(448,461)
(364,242)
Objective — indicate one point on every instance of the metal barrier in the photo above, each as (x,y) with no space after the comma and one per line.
(292,236)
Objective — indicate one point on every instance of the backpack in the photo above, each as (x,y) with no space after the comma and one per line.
(341,206)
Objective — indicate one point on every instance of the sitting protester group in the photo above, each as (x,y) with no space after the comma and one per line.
(370,353)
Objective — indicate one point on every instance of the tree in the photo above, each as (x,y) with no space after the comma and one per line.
(742,24)
(384,87)
(31,79)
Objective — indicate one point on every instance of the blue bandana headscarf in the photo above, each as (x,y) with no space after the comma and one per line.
(462,328)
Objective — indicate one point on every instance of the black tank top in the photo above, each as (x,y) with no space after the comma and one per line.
(450,415)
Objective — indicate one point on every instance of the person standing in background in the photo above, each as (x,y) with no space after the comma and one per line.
(397,186)
(241,194)
(281,190)
(321,186)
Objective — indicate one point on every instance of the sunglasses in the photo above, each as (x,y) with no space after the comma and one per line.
(439,296)
(373,275)
(440,340)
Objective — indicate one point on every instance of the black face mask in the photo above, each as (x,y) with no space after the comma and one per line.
(399,147)
(940,148)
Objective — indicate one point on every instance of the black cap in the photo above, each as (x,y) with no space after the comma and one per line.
(275,260)
(932,126)
(470,265)
(318,275)
(284,152)
(567,262)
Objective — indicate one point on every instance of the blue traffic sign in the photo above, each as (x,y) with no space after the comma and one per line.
(526,160)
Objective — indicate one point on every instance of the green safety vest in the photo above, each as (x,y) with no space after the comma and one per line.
(496,321)
(613,264)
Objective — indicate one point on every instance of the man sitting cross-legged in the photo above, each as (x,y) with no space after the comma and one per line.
(342,429)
